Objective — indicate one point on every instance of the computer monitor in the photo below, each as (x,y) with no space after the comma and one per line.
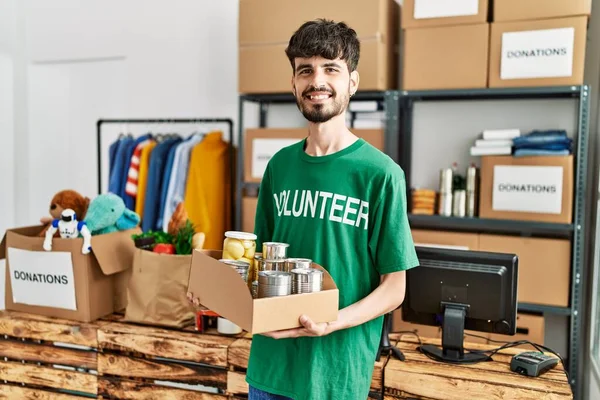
(458,290)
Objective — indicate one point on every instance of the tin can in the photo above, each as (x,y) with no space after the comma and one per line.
(297,263)
(274,250)
(274,283)
(306,280)
(241,267)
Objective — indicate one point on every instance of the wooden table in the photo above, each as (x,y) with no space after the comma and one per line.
(46,358)
(420,377)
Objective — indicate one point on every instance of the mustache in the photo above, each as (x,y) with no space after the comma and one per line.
(314,89)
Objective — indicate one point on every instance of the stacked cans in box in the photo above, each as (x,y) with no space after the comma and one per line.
(279,275)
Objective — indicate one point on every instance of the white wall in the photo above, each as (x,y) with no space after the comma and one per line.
(7,134)
(108,59)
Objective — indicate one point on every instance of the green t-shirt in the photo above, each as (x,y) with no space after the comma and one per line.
(347,212)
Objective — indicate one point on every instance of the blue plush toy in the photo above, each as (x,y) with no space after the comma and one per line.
(107,213)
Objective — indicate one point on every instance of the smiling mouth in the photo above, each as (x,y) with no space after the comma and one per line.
(318,96)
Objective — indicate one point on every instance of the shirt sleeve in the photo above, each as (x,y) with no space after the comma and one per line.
(265,219)
(391,243)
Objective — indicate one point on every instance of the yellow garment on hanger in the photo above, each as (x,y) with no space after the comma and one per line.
(143,177)
(208,189)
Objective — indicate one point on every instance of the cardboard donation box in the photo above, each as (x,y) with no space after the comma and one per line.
(220,288)
(264,66)
(426,13)
(65,283)
(538,53)
(519,10)
(261,144)
(537,188)
(166,303)
(445,57)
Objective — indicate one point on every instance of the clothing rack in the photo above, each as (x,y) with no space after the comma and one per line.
(165,121)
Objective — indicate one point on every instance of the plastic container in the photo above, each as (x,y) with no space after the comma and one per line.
(241,246)
(226,327)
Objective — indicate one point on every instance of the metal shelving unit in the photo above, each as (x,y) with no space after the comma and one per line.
(575,232)
(486,225)
(388,102)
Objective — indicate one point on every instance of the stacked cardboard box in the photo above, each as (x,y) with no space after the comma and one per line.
(538,42)
(505,43)
(444,44)
(263,65)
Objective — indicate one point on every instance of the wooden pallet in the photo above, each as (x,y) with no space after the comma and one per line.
(46,358)
(140,362)
(237,359)
(420,377)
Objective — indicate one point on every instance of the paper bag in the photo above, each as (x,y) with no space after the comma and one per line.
(157,290)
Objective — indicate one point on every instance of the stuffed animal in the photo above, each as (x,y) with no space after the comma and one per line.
(61,201)
(69,228)
(107,213)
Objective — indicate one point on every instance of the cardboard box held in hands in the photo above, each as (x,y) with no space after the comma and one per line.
(65,283)
(221,289)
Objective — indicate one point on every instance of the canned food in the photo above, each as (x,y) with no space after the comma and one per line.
(274,283)
(307,280)
(274,251)
(241,267)
(267,265)
(297,263)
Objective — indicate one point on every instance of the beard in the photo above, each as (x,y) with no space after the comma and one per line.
(320,113)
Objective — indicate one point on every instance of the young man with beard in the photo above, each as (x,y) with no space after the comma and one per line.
(342,203)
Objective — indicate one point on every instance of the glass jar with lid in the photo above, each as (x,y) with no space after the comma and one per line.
(241,246)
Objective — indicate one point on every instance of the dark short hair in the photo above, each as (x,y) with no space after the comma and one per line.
(327,39)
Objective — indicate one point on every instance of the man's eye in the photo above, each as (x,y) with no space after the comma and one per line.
(331,70)
(304,72)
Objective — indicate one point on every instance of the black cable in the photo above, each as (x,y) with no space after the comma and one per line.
(492,352)
(508,345)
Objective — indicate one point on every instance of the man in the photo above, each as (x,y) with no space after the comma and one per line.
(342,203)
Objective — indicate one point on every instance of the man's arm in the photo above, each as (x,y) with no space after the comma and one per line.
(387,297)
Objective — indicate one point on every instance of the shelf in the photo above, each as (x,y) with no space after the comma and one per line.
(541,308)
(289,98)
(494,226)
(496,93)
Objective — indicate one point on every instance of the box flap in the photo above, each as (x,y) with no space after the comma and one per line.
(33,230)
(114,251)
(220,288)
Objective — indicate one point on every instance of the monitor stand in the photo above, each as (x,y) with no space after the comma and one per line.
(385,347)
(453,327)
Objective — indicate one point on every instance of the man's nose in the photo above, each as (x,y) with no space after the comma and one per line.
(318,78)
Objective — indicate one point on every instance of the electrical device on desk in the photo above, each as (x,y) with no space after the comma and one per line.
(458,290)
(532,363)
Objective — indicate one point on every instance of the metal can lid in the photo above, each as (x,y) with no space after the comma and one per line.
(240,235)
(274,277)
(235,263)
(299,262)
(275,244)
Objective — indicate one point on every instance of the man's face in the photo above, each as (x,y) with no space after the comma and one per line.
(322,87)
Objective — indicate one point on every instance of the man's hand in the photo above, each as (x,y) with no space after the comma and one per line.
(309,328)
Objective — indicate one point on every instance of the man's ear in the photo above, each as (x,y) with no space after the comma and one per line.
(354,79)
(293,87)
